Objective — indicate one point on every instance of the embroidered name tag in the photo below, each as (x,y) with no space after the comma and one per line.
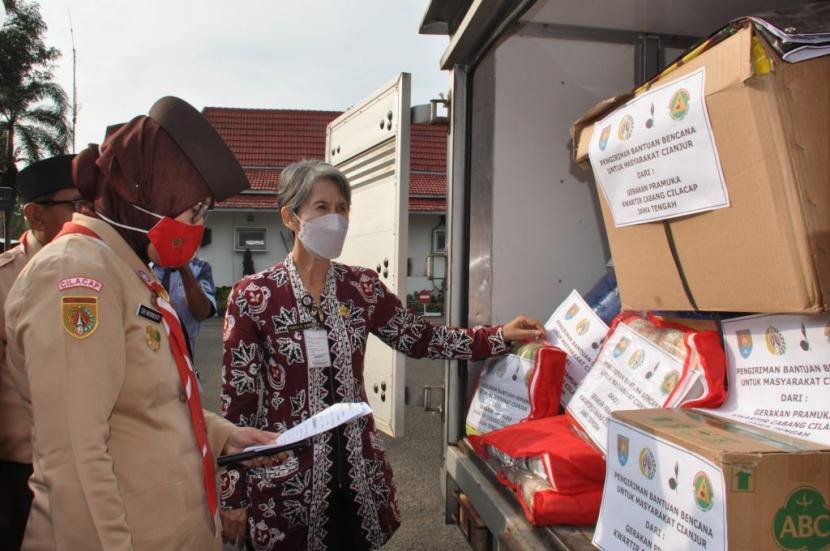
(148,313)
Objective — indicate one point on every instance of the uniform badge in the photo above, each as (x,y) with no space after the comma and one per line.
(80,281)
(153,337)
(148,313)
(79,316)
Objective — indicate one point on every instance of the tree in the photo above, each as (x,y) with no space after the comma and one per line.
(33,108)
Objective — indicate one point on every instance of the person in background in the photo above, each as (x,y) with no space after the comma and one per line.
(192,293)
(295,342)
(124,456)
(49,198)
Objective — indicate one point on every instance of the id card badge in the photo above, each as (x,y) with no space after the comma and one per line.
(317,347)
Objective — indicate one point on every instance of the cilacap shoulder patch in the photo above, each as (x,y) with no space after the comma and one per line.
(79,316)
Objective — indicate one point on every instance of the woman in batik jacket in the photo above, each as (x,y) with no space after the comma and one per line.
(337,493)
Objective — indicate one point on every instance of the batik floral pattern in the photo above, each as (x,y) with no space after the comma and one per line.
(267,384)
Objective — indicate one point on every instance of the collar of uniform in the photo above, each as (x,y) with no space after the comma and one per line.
(31,245)
(113,240)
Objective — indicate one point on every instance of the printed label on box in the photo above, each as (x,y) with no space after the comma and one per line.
(655,157)
(575,328)
(779,374)
(659,496)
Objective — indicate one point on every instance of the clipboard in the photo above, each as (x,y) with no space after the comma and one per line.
(225,460)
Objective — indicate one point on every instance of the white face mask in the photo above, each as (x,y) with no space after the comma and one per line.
(324,236)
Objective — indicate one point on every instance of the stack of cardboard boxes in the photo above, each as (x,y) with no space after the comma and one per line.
(690,480)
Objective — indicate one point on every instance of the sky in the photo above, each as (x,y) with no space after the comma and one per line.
(281,54)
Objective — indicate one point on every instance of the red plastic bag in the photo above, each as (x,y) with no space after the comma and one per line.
(697,350)
(556,474)
(525,384)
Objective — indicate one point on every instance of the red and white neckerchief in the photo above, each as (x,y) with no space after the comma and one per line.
(184,365)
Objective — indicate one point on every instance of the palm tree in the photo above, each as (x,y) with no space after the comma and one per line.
(33,120)
(33,108)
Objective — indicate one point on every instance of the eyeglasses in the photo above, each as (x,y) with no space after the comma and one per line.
(77,204)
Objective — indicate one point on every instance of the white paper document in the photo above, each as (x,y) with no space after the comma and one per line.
(778,368)
(631,372)
(329,418)
(659,495)
(655,157)
(575,328)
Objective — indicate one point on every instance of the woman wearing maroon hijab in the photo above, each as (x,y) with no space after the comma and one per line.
(123,452)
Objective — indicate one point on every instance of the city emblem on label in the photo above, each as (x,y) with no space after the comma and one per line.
(669,382)
(603,137)
(744,342)
(79,315)
(704,495)
(679,105)
(648,464)
(582,327)
(803,523)
(636,359)
(572,311)
(622,449)
(625,128)
(621,347)
(775,341)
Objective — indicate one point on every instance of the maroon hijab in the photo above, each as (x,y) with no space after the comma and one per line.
(140,164)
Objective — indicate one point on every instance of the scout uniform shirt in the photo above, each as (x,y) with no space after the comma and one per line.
(116,465)
(15,431)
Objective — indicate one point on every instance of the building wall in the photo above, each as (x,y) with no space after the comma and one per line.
(227,263)
(420,246)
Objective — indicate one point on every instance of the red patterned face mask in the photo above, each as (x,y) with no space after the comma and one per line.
(176,242)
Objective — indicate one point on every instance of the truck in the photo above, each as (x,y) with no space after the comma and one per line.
(523,219)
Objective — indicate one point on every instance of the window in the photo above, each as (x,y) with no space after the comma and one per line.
(439,241)
(250,238)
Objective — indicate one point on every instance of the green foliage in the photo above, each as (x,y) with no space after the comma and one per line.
(33,108)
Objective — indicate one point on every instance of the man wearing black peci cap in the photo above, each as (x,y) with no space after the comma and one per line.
(49,198)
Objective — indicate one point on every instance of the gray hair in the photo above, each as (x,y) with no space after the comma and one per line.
(297,179)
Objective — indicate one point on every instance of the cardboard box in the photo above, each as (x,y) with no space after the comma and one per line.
(769,251)
(682,479)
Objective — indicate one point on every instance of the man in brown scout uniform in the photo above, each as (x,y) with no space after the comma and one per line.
(123,452)
(49,199)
